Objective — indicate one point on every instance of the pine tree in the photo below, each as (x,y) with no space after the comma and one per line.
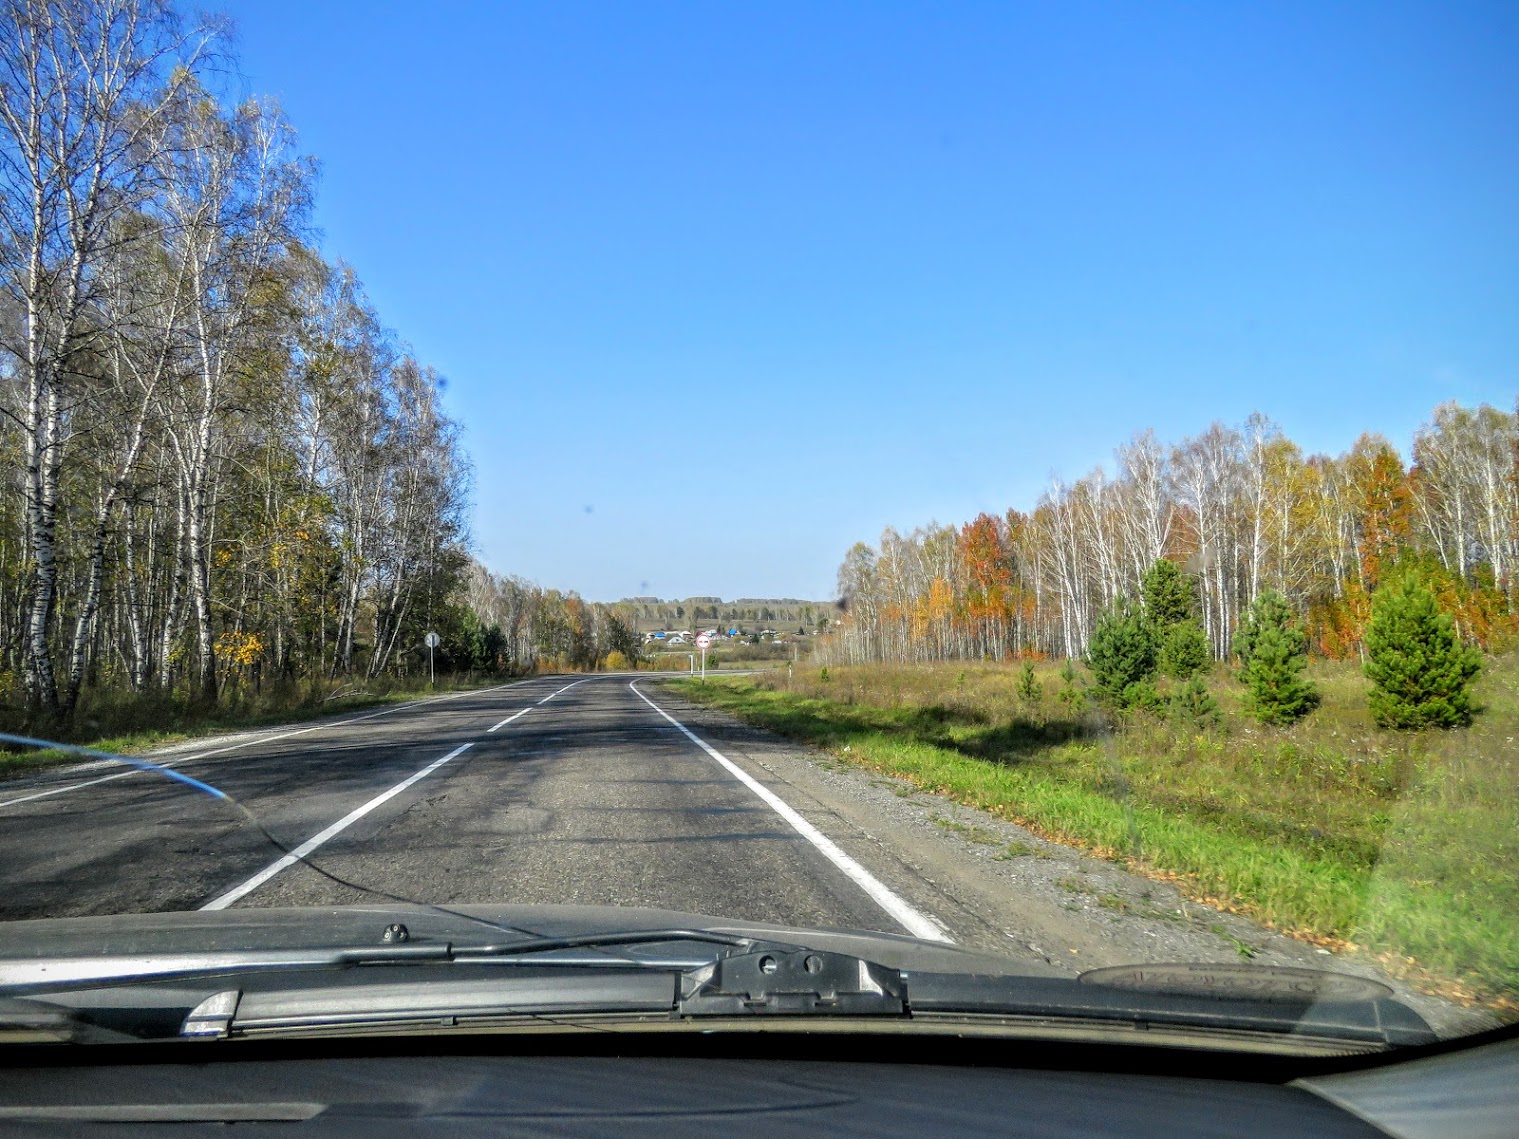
(1069,694)
(1421,674)
(1170,596)
(1029,687)
(1279,694)
(1183,650)
(1121,655)
(1193,705)
(1270,609)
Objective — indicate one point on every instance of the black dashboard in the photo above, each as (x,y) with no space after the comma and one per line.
(773,1085)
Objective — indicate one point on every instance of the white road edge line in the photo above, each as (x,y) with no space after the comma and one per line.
(176,761)
(916,923)
(242,889)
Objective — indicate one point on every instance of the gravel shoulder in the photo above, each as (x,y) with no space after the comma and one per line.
(997,887)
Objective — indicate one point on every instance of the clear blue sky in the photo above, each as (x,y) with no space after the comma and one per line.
(720,289)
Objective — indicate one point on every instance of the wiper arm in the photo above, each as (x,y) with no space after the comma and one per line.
(603,940)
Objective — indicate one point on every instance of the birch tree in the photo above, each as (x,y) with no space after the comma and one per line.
(85,86)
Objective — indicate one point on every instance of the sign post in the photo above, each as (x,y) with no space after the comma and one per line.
(432,640)
(703,642)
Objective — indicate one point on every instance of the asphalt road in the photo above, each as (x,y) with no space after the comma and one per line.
(546,791)
(594,791)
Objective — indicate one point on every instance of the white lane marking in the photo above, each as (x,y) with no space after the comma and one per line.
(223,901)
(70,787)
(508,720)
(249,743)
(566,688)
(530,707)
(917,924)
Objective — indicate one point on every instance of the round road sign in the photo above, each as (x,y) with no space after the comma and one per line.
(703,641)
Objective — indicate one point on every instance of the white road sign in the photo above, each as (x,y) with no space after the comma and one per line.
(432,640)
(703,641)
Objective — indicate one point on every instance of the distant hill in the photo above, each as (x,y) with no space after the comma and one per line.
(748,614)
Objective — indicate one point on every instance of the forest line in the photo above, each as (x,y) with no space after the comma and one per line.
(1242,510)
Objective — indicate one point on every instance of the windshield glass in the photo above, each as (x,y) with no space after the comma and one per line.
(689,490)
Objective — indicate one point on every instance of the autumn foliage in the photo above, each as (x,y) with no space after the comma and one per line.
(1234,512)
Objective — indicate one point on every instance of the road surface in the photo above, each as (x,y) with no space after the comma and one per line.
(601,790)
(550,790)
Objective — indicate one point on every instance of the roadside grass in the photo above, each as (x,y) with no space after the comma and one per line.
(1401,845)
(129,723)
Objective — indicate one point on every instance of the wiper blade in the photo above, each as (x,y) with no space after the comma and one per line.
(766,982)
(35,1022)
(29,974)
(437,1003)
(1335,1011)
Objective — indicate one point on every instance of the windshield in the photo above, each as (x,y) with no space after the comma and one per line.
(825,504)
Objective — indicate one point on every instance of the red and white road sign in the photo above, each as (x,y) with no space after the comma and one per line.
(704,641)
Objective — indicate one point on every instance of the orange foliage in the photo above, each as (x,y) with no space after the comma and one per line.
(1384,506)
(1335,625)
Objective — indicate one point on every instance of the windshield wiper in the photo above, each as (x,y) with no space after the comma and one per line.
(770,981)
(293,991)
(41,973)
(720,975)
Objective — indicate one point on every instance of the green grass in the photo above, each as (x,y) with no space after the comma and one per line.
(129,723)
(1405,846)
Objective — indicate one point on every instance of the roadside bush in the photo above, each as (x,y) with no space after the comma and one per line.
(1121,654)
(1192,705)
(1142,696)
(669,662)
(615,661)
(1420,672)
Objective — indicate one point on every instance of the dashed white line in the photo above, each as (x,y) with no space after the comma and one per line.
(530,707)
(916,923)
(508,720)
(222,901)
(244,888)
(566,688)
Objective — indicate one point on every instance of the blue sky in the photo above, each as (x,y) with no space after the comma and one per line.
(720,289)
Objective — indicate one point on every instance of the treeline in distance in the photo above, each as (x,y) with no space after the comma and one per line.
(1242,511)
